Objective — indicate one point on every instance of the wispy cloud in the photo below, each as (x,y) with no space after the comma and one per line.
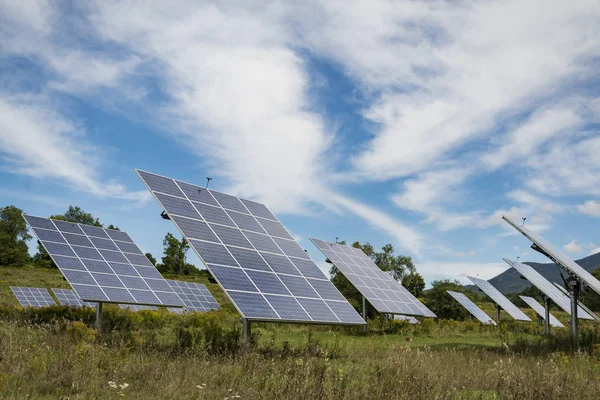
(590,207)
(573,247)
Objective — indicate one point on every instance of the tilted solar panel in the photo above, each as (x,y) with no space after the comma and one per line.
(102,265)
(472,308)
(541,311)
(557,256)
(500,299)
(195,296)
(544,285)
(381,290)
(137,307)
(33,297)
(579,303)
(68,297)
(407,318)
(263,270)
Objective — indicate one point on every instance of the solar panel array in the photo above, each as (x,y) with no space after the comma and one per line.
(583,306)
(263,270)
(411,320)
(557,255)
(378,287)
(33,297)
(500,299)
(102,265)
(472,308)
(195,296)
(68,297)
(541,311)
(137,307)
(537,280)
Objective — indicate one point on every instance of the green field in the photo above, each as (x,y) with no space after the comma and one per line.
(56,353)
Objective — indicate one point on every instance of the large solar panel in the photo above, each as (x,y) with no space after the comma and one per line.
(33,297)
(472,308)
(500,299)
(195,296)
(381,290)
(541,311)
(263,270)
(68,297)
(557,255)
(537,280)
(102,265)
(411,320)
(583,306)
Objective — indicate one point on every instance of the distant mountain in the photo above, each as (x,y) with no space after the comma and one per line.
(510,281)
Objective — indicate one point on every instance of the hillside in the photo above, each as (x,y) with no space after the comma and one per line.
(510,281)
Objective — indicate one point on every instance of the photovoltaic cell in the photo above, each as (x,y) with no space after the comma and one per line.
(33,297)
(541,311)
(543,285)
(472,308)
(500,299)
(68,297)
(195,296)
(103,265)
(381,290)
(583,306)
(254,258)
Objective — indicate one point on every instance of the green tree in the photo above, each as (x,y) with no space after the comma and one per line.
(415,283)
(13,237)
(590,298)
(441,303)
(174,258)
(150,257)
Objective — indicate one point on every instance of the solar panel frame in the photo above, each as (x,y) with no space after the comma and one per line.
(546,287)
(541,311)
(381,290)
(137,307)
(33,297)
(557,255)
(472,308)
(68,297)
(500,299)
(579,303)
(252,303)
(83,266)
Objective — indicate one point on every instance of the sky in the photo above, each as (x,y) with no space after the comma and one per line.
(412,123)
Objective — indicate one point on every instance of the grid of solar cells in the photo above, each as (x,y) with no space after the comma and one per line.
(541,311)
(378,287)
(195,296)
(102,265)
(33,297)
(407,318)
(583,306)
(68,297)
(137,307)
(557,255)
(264,271)
(500,299)
(472,308)
(544,285)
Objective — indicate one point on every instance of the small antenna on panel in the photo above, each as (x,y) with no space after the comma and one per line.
(336,239)
(524,218)
(208,179)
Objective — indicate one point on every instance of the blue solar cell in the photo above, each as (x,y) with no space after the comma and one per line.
(321,244)
(107,280)
(253,305)
(178,206)
(158,284)
(326,289)
(280,264)
(69,227)
(113,256)
(214,214)
(267,282)
(194,229)
(197,193)
(167,297)
(229,202)
(263,242)
(124,269)
(298,286)
(103,244)
(87,252)
(94,231)
(118,294)
(88,292)
(260,210)
(128,248)
(137,259)
(52,236)
(308,268)
(274,228)
(318,310)
(37,222)
(291,248)
(78,240)
(58,249)
(146,297)
(69,262)
(148,272)
(231,236)
(249,259)
(232,278)
(288,308)
(97,266)
(344,311)
(80,277)
(213,253)
(245,221)
(160,183)
(118,235)
(132,282)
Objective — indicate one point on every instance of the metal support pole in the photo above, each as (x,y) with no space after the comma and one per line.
(498,313)
(574,285)
(246,332)
(547,314)
(364,313)
(540,320)
(98,317)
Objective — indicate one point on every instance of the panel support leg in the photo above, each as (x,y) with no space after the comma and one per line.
(98,317)
(540,321)
(246,332)
(364,313)
(547,314)
(498,313)
(574,287)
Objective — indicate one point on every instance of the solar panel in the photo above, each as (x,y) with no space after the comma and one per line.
(381,290)
(68,297)
(263,270)
(407,318)
(583,306)
(541,311)
(33,297)
(137,307)
(557,256)
(102,265)
(195,296)
(500,299)
(537,280)
(472,308)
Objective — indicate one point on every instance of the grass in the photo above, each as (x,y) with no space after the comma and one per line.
(56,353)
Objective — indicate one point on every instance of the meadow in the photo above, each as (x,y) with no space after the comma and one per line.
(56,353)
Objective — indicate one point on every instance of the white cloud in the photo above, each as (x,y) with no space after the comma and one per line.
(573,247)
(459,270)
(590,207)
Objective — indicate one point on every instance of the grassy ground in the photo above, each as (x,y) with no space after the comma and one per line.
(55,353)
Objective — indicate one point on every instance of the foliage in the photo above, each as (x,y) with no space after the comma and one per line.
(590,298)
(441,303)
(150,257)
(13,237)
(174,259)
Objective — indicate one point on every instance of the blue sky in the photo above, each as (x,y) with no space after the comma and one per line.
(417,124)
